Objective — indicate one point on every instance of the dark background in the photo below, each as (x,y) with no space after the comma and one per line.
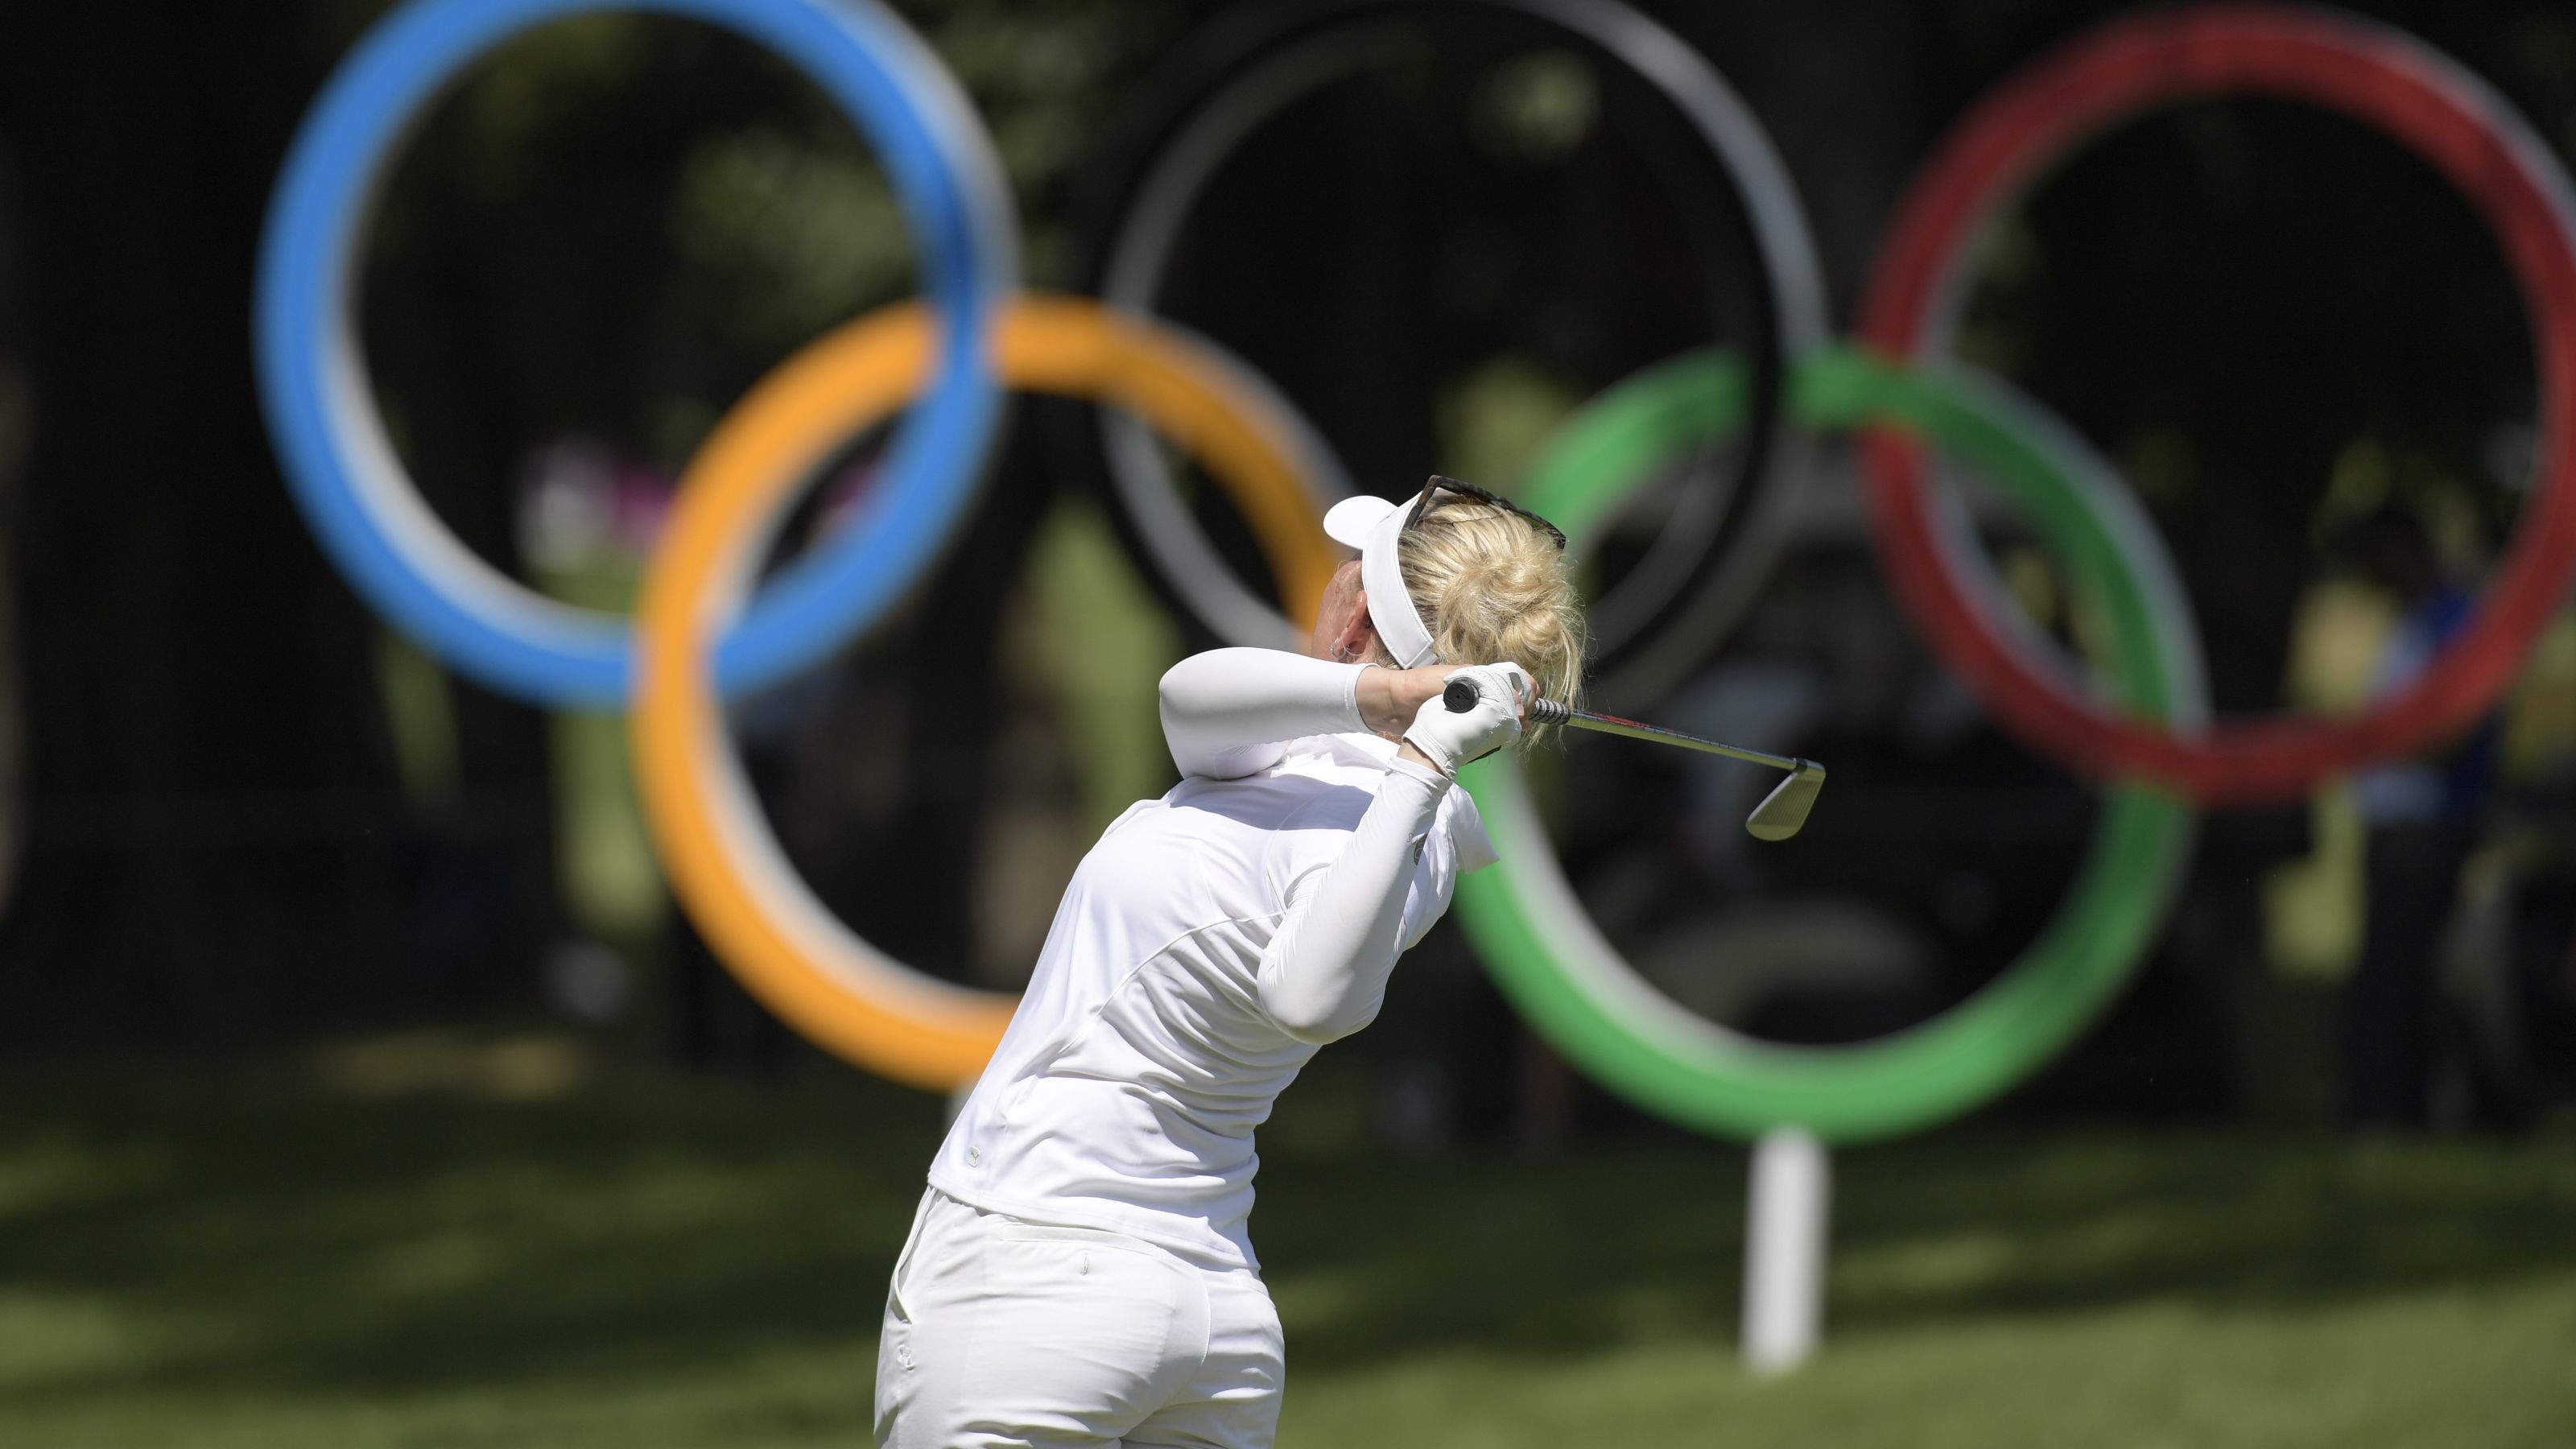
(2268,317)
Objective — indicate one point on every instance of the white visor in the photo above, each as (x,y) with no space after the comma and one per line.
(1371,525)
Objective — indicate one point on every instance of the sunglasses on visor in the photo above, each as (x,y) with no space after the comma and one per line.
(1439,484)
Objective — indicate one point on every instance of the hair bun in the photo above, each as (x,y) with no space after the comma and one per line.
(1497,590)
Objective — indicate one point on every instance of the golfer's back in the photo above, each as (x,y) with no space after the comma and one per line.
(1126,1092)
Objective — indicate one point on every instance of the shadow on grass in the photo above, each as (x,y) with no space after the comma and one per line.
(1618,1246)
(292,1239)
(264,1236)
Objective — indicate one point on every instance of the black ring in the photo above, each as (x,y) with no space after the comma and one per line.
(1714,136)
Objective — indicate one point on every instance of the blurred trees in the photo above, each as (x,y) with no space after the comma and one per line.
(607,230)
(200,720)
(611,228)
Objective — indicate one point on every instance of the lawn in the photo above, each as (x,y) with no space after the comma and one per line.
(228,1258)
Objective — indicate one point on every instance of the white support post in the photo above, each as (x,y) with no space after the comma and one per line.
(1789,1198)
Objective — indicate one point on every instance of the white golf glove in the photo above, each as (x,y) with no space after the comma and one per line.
(1452,738)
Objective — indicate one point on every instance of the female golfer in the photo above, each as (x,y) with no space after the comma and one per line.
(1079,1272)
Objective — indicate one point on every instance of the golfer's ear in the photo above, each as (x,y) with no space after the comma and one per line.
(1360,631)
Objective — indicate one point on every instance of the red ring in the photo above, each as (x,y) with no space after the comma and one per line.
(2380,77)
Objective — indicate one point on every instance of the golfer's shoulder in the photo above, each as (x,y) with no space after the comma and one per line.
(1332,779)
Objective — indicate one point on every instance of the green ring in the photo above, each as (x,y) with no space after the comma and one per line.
(1573,986)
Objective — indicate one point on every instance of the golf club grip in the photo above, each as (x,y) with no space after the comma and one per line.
(1460,696)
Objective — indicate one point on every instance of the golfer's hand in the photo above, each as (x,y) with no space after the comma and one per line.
(1390,698)
(1449,738)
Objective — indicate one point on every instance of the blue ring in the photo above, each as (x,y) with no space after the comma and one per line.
(368,513)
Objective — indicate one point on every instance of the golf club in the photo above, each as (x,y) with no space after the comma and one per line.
(1776,818)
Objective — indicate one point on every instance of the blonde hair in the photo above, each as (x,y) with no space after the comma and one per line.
(1492,587)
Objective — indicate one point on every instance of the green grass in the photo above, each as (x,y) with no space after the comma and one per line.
(218,1259)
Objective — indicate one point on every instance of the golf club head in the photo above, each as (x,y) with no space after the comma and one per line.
(1785,808)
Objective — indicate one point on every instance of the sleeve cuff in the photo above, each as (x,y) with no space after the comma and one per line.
(1438,782)
(1351,700)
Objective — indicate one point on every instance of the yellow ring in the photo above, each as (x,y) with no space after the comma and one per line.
(723,861)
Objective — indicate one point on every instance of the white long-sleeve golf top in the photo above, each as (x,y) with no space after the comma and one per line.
(1207,946)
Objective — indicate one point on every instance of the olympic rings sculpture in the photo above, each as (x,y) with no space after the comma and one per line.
(722,859)
(1711,554)
(365,508)
(1556,965)
(698,638)
(2375,75)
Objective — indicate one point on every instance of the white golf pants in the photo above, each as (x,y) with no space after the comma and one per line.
(1003,1334)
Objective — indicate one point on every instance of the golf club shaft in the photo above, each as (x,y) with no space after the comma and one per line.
(1461,696)
(1548,711)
